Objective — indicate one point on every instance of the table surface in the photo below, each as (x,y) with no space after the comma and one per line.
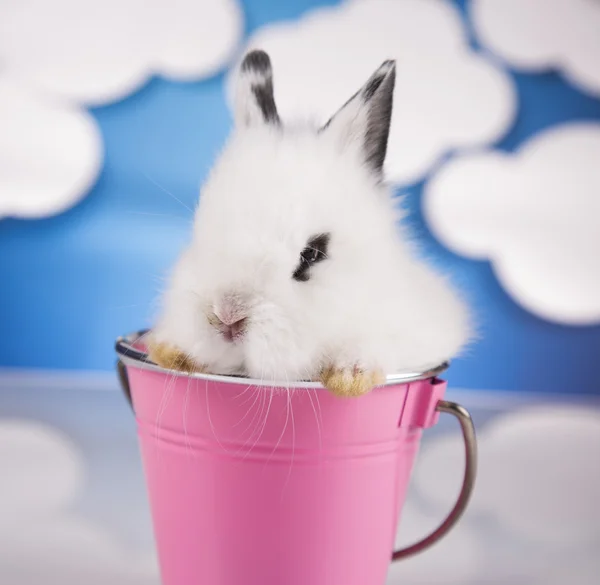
(74,508)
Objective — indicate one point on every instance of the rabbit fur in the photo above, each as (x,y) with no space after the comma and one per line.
(298,243)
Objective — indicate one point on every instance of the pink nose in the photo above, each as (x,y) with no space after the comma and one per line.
(230,320)
(234,330)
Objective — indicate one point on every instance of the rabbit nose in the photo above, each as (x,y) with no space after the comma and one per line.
(235,330)
(229,318)
(231,329)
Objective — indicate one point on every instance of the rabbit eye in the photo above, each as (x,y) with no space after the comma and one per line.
(315,251)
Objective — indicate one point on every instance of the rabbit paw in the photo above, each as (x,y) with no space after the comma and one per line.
(348,382)
(171,358)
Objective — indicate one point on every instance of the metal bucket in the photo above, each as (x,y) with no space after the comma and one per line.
(264,483)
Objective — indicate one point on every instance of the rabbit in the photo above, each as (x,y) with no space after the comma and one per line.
(298,266)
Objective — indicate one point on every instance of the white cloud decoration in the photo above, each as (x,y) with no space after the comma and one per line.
(98,52)
(447,96)
(538,476)
(41,541)
(534,215)
(58,56)
(536,35)
(50,153)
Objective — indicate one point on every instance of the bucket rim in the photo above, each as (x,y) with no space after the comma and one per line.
(137,358)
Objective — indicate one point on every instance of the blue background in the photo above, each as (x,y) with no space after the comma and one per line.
(69,285)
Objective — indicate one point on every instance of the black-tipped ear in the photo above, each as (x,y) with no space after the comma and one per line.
(367,115)
(255,103)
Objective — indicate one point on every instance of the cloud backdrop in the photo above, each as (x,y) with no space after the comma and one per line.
(533,215)
(447,96)
(50,153)
(537,35)
(99,52)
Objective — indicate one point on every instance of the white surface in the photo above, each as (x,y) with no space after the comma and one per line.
(50,154)
(533,214)
(539,476)
(98,52)
(455,560)
(70,552)
(446,95)
(537,35)
(41,540)
(36,455)
(532,522)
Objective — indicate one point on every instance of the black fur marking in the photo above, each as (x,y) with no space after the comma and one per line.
(378,97)
(263,93)
(379,94)
(369,90)
(314,252)
(257,61)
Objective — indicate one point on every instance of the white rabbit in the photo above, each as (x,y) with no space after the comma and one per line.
(298,269)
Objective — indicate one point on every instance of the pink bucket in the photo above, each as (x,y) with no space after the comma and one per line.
(270,484)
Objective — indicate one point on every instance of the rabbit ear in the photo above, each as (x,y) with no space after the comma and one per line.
(255,103)
(365,118)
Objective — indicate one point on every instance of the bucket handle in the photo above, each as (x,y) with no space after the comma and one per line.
(468,433)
